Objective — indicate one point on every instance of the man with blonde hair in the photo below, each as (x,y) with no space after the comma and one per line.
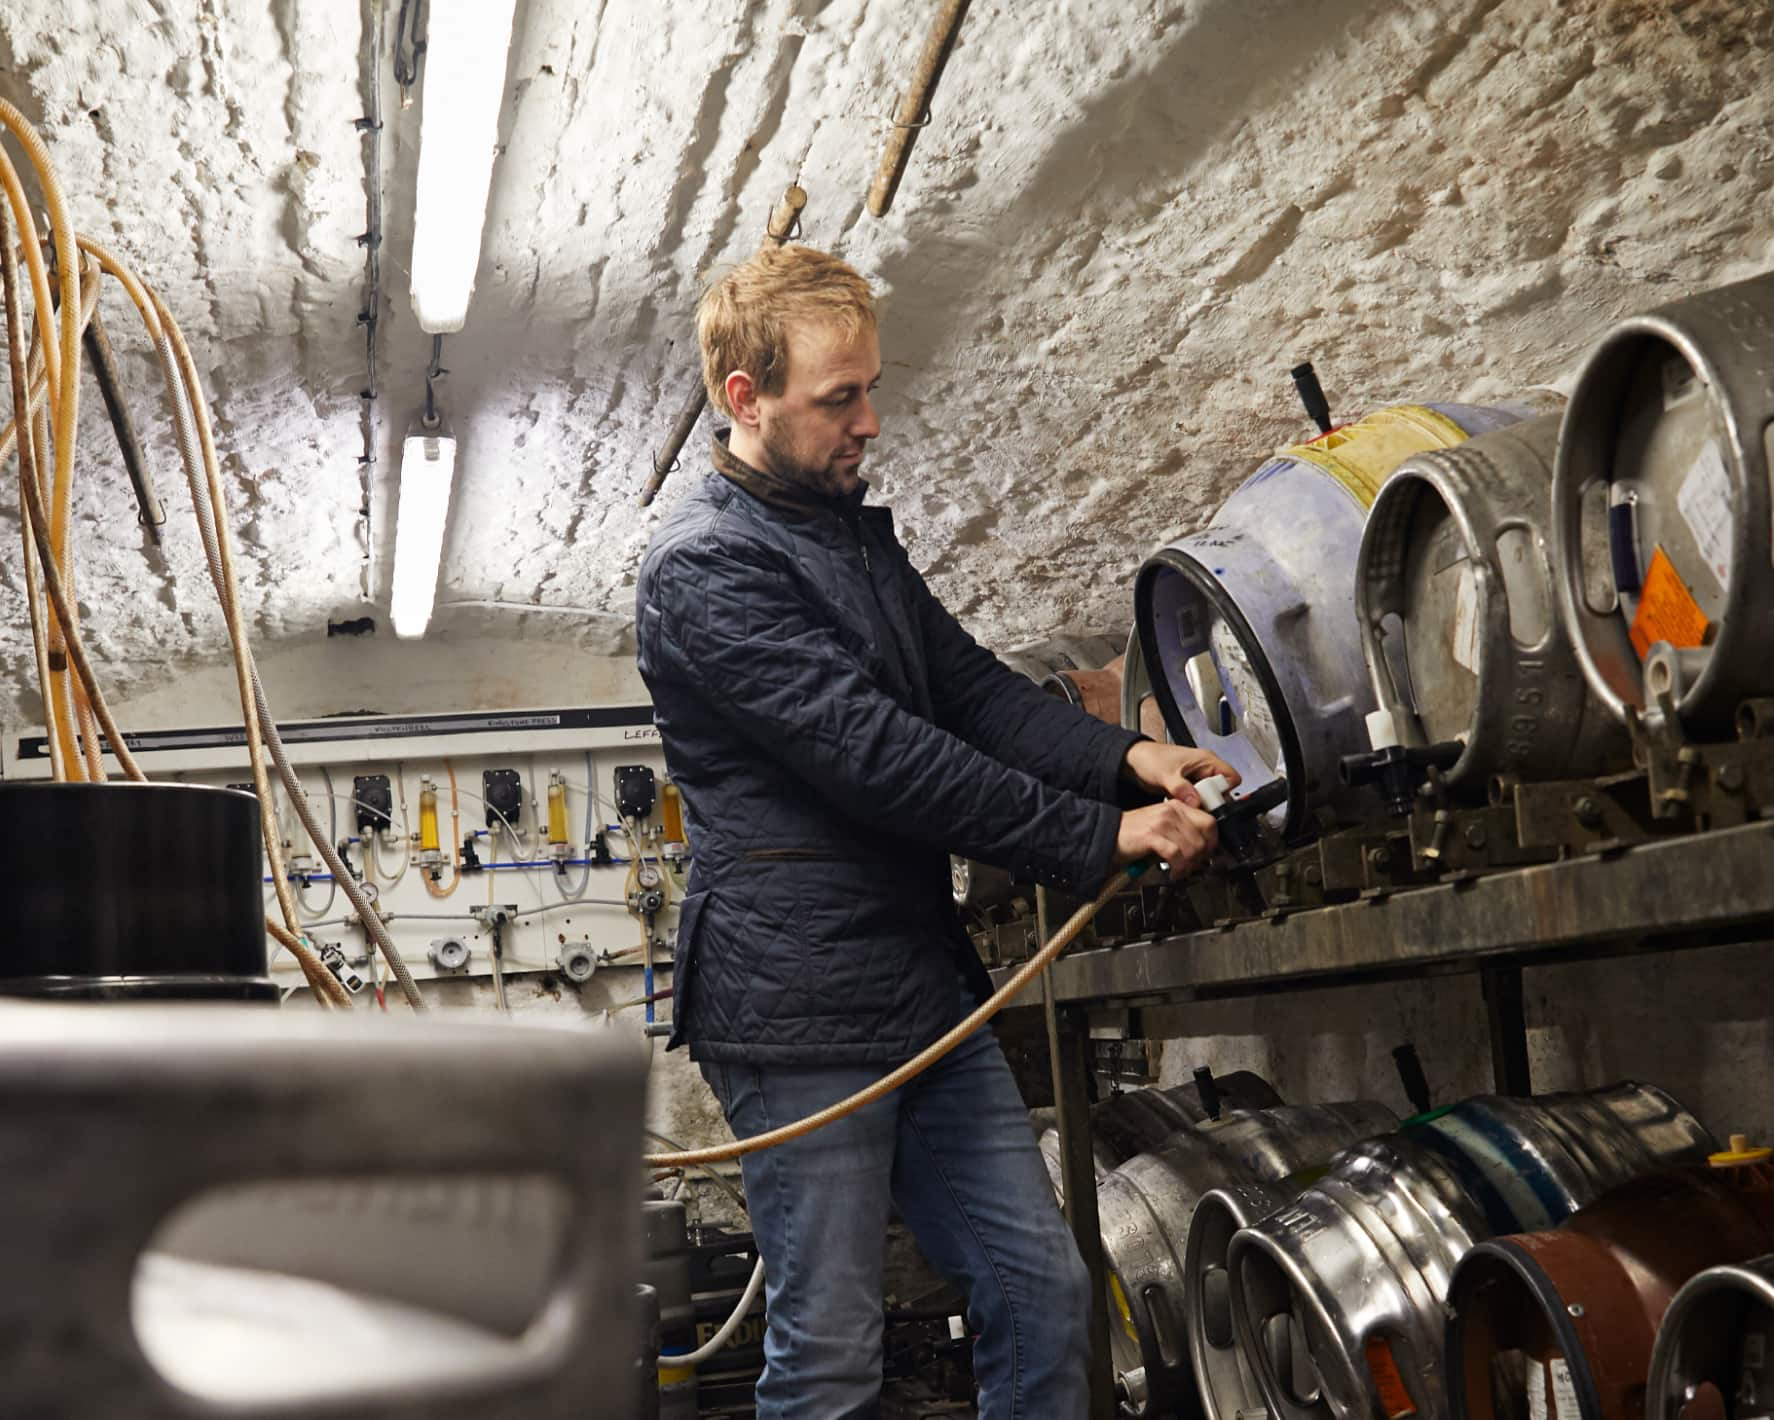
(835,735)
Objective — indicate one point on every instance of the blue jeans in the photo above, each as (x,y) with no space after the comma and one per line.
(954,1152)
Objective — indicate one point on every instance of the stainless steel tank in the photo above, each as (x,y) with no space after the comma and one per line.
(1454,595)
(1248,625)
(1662,508)
(1337,1297)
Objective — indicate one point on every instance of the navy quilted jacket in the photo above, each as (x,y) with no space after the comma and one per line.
(835,734)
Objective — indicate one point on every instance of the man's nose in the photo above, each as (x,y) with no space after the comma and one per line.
(868,426)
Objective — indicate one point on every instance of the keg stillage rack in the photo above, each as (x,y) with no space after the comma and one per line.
(1502,845)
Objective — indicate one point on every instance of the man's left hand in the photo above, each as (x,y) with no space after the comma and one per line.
(1171,770)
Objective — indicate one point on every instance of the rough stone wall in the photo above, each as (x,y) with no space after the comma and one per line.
(1124,221)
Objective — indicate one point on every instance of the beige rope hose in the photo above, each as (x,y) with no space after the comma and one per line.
(37,522)
(59,714)
(926,1057)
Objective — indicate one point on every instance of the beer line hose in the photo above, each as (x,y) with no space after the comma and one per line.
(926,1057)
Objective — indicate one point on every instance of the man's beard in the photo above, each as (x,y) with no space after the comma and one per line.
(786,463)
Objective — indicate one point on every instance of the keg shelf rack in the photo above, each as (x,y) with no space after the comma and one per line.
(1699,889)
(1693,890)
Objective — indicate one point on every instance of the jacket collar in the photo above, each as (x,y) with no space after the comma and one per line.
(777,491)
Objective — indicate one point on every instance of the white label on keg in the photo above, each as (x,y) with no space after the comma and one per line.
(1466,619)
(1705,501)
(1537,1394)
(1564,1392)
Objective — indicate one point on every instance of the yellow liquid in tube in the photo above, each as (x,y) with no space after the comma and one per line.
(671,811)
(557,811)
(428,820)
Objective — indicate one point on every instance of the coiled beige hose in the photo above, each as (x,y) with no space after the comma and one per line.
(59,712)
(35,515)
(926,1057)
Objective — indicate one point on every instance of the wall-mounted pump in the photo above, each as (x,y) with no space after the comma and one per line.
(503,790)
(372,798)
(577,961)
(636,791)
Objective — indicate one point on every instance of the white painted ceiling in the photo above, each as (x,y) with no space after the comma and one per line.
(1123,224)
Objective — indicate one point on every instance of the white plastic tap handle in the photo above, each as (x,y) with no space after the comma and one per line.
(1382,729)
(1214,791)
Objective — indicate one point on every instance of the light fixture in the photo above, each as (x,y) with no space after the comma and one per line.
(464,85)
(427,468)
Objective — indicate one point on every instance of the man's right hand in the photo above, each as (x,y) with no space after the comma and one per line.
(1172,832)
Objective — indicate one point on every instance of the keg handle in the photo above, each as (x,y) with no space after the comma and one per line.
(1411,1076)
(1208,1090)
(1312,396)
(1240,816)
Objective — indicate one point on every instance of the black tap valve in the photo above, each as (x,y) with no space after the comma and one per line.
(1399,770)
(1318,408)
(1240,818)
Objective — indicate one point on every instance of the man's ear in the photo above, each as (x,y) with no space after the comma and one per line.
(742,398)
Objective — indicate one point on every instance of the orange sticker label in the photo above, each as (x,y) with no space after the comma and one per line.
(1667,610)
(1395,1398)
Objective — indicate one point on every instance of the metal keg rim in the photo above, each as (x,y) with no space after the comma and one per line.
(1393,508)
(1241,1204)
(1580,461)
(1515,1259)
(1136,680)
(1173,559)
(1305,1290)
(1753,1279)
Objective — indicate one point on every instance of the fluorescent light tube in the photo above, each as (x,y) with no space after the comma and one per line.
(464,85)
(427,468)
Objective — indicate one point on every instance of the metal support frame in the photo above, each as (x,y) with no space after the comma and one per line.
(1068,1039)
(1510,1074)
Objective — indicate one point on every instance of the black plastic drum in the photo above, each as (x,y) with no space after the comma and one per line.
(132,892)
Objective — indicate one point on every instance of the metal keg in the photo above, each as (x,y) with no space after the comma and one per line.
(127,891)
(1454,597)
(1713,1349)
(1135,1121)
(1145,1207)
(1228,1386)
(1040,659)
(1139,706)
(1662,505)
(1070,667)
(1248,624)
(1563,1322)
(1095,692)
(665,1229)
(1337,1297)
